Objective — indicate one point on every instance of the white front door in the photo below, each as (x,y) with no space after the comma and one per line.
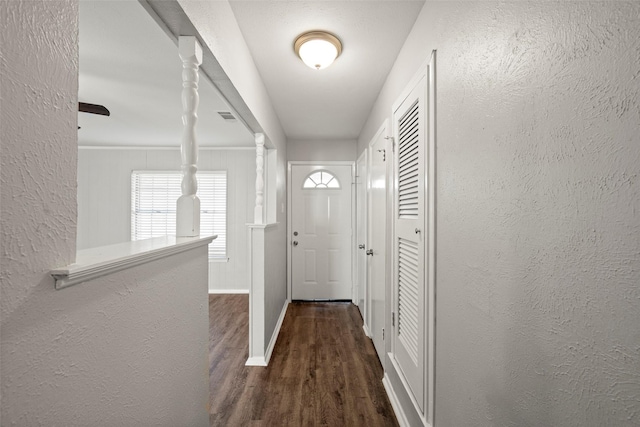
(321,232)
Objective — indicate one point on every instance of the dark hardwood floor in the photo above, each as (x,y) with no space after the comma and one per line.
(323,371)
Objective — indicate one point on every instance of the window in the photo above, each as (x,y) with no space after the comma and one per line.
(321,179)
(153,206)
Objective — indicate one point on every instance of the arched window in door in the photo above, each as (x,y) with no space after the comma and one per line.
(321,179)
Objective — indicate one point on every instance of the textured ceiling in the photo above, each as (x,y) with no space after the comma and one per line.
(333,103)
(128,64)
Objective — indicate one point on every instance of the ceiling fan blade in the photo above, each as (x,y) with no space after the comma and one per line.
(93,109)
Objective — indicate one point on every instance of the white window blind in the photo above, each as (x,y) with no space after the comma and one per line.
(153,206)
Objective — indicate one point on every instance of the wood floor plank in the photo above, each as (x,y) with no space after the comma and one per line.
(323,372)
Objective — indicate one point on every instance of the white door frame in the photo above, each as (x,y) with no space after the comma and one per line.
(362,281)
(383,132)
(427,70)
(431,243)
(290,212)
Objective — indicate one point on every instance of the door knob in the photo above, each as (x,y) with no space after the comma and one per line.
(295,243)
(360,246)
(370,252)
(418,230)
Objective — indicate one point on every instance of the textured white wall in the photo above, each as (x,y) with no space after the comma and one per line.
(275,276)
(128,349)
(538,261)
(322,150)
(104,201)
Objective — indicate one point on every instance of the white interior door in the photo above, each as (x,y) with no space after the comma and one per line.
(377,271)
(361,240)
(409,240)
(321,257)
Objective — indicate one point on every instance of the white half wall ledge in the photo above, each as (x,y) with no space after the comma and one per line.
(101,261)
(270,225)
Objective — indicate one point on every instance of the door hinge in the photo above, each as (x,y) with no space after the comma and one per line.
(393,319)
(382,334)
(393,143)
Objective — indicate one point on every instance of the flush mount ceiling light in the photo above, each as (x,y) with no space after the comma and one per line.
(317,49)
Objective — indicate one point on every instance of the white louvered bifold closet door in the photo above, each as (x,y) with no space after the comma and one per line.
(410,237)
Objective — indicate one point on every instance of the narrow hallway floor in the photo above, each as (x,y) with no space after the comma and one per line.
(323,371)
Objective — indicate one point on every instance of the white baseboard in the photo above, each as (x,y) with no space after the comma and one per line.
(256,361)
(395,403)
(228,291)
(366,330)
(276,332)
(404,398)
(264,361)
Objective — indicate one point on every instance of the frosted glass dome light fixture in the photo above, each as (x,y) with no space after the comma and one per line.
(318,49)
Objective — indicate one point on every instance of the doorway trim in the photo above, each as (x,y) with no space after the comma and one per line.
(382,132)
(362,178)
(406,406)
(290,212)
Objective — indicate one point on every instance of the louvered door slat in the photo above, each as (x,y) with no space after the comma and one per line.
(409,274)
(408,140)
(408,173)
(408,116)
(408,158)
(407,136)
(411,182)
(408,305)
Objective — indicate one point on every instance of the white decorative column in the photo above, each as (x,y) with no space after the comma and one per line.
(258,216)
(188,206)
